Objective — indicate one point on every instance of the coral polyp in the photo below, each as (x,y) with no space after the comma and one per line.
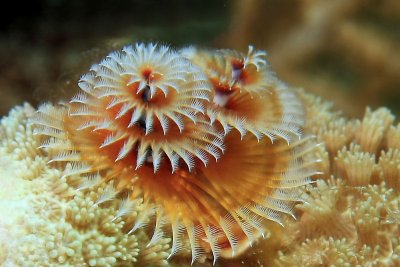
(169,128)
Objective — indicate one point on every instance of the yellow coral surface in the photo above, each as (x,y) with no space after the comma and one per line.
(45,221)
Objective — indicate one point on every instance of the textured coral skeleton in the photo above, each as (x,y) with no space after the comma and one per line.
(208,142)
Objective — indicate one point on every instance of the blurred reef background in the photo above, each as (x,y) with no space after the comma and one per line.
(346,51)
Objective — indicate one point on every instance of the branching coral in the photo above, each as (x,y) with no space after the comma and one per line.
(343,50)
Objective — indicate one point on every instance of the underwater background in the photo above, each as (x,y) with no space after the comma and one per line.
(346,51)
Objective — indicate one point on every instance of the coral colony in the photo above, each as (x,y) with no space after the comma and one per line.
(170,157)
(209,141)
